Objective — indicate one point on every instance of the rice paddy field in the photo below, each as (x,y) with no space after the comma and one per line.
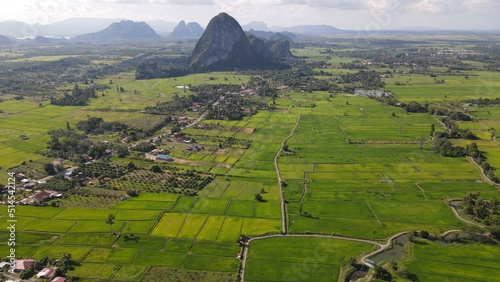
(353,167)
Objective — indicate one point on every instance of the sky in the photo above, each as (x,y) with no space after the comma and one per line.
(345,14)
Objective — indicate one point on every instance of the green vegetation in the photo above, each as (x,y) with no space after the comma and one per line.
(359,164)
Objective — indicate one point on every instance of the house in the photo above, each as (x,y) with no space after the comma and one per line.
(164,158)
(3,264)
(47,272)
(21,175)
(59,279)
(22,264)
(41,197)
(194,148)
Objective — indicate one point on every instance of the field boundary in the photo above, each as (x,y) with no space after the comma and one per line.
(284,228)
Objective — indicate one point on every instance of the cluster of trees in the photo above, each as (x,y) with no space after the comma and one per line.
(301,77)
(68,144)
(178,104)
(485,211)
(391,100)
(363,79)
(483,102)
(100,170)
(78,97)
(445,148)
(235,107)
(63,264)
(96,125)
(143,147)
(152,69)
(454,131)
(481,160)
(224,142)
(59,183)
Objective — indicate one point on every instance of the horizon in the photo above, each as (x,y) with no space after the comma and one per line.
(359,15)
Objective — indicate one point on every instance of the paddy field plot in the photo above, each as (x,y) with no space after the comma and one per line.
(308,259)
(458,262)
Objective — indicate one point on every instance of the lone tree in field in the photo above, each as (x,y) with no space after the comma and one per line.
(111,221)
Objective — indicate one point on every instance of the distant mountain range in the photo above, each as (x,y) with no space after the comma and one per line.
(122,30)
(78,26)
(71,27)
(190,30)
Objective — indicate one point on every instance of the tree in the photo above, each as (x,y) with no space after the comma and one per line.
(131,166)
(382,274)
(424,234)
(111,221)
(433,129)
(67,126)
(156,169)
(259,198)
(49,168)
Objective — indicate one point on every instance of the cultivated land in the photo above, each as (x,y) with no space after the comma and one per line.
(353,167)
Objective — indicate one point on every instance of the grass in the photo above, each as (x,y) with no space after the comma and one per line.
(141,242)
(95,226)
(192,225)
(310,259)
(130,273)
(211,228)
(457,262)
(138,227)
(257,226)
(169,225)
(137,215)
(211,263)
(230,230)
(210,206)
(241,208)
(48,225)
(162,274)
(178,245)
(88,270)
(77,252)
(87,239)
(84,214)
(146,257)
(112,255)
(39,212)
(183,204)
(215,249)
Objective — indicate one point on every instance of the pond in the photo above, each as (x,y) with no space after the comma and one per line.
(393,253)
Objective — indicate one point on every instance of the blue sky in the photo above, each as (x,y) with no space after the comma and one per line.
(345,14)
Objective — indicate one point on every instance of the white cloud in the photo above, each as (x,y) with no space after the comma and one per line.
(168,2)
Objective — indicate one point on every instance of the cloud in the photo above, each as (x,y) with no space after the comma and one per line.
(169,2)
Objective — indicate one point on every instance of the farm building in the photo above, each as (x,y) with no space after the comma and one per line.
(164,158)
(47,272)
(59,279)
(22,264)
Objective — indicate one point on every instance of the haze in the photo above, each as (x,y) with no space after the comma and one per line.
(344,14)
